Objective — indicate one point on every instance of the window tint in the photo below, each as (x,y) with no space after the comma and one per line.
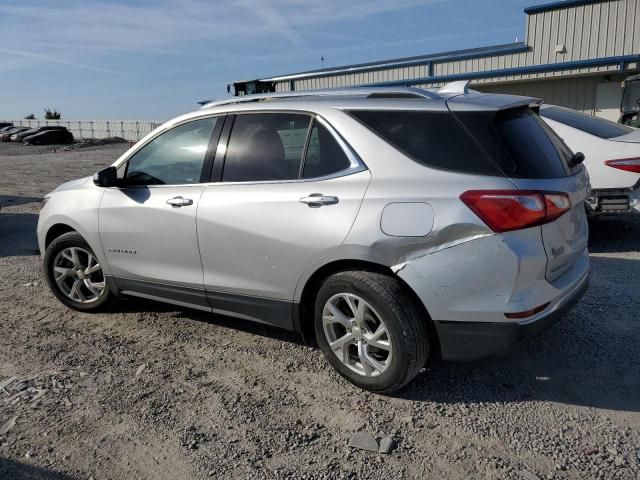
(176,157)
(431,138)
(520,142)
(587,123)
(515,143)
(265,146)
(324,154)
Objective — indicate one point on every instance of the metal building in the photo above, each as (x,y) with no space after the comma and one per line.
(575,53)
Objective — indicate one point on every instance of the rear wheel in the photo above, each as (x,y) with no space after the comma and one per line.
(370,330)
(74,274)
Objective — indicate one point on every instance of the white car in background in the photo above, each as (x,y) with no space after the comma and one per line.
(612,157)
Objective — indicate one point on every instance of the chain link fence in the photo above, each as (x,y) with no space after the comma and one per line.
(131,130)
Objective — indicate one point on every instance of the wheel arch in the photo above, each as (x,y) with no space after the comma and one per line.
(56,230)
(303,313)
(52,227)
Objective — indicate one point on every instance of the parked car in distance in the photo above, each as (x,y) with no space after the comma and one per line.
(18,137)
(6,128)
(50,137)
(612,157)
(390,225)
(6,124)
(5,136)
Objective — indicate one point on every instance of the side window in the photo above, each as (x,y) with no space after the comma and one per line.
(324,155)
(174,158)
(265,146)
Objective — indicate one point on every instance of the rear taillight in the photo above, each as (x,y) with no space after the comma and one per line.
(628,164)
(506,210)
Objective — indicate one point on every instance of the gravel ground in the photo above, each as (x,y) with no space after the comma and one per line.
(151,391)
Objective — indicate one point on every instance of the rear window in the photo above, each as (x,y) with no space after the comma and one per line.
(520,142)
(587,123)
(514,143)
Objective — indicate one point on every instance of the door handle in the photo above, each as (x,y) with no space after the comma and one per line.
(317,200)
(179,202)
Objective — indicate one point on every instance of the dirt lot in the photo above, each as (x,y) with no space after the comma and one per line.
(151,391)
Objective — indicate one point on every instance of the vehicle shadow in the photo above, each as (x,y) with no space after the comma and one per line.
(614,233)
(11,469)
(14,200)
(18,234)
(139,305)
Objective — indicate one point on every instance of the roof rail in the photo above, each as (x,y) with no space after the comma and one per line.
(366,92)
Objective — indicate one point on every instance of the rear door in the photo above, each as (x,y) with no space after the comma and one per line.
(288,191)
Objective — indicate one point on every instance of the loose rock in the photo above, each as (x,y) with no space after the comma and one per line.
(387,445)
(8,425)
(364,441)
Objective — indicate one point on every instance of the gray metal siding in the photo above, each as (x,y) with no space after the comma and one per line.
(577,93)
(595,30)
(609,28)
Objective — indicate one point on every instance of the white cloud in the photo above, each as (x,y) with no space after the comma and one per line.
(77,33)
(39,57)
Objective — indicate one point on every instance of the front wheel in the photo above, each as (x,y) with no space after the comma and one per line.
(370,330)
(74,274)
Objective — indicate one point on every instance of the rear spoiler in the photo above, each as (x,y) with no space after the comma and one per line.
(489,101)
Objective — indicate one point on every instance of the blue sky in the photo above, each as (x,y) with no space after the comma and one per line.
(154,59)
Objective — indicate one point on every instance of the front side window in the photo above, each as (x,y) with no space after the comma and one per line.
(174,158)
(265,146)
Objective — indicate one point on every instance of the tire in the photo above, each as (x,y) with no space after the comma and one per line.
(385,300)
(57,255)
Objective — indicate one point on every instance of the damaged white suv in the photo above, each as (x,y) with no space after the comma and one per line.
(389,225)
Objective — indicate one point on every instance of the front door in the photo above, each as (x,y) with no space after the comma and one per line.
(148,224)
(275,211)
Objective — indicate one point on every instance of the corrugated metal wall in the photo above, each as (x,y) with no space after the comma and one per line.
(595,30)
(132,130)
(577,93)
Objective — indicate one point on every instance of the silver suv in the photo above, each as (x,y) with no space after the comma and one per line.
(387,225)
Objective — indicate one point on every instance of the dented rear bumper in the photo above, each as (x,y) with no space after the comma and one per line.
(468,288)
(462,341)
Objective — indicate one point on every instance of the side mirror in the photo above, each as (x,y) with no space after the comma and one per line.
(576,160)
(107,177)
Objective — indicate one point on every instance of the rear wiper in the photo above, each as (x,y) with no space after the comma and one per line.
(576,159)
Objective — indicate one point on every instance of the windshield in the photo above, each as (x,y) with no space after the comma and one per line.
(631,99)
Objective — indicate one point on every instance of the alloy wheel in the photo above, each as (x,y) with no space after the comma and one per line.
(357,335)
(78,275)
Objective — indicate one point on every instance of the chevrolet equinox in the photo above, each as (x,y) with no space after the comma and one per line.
(389,225)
